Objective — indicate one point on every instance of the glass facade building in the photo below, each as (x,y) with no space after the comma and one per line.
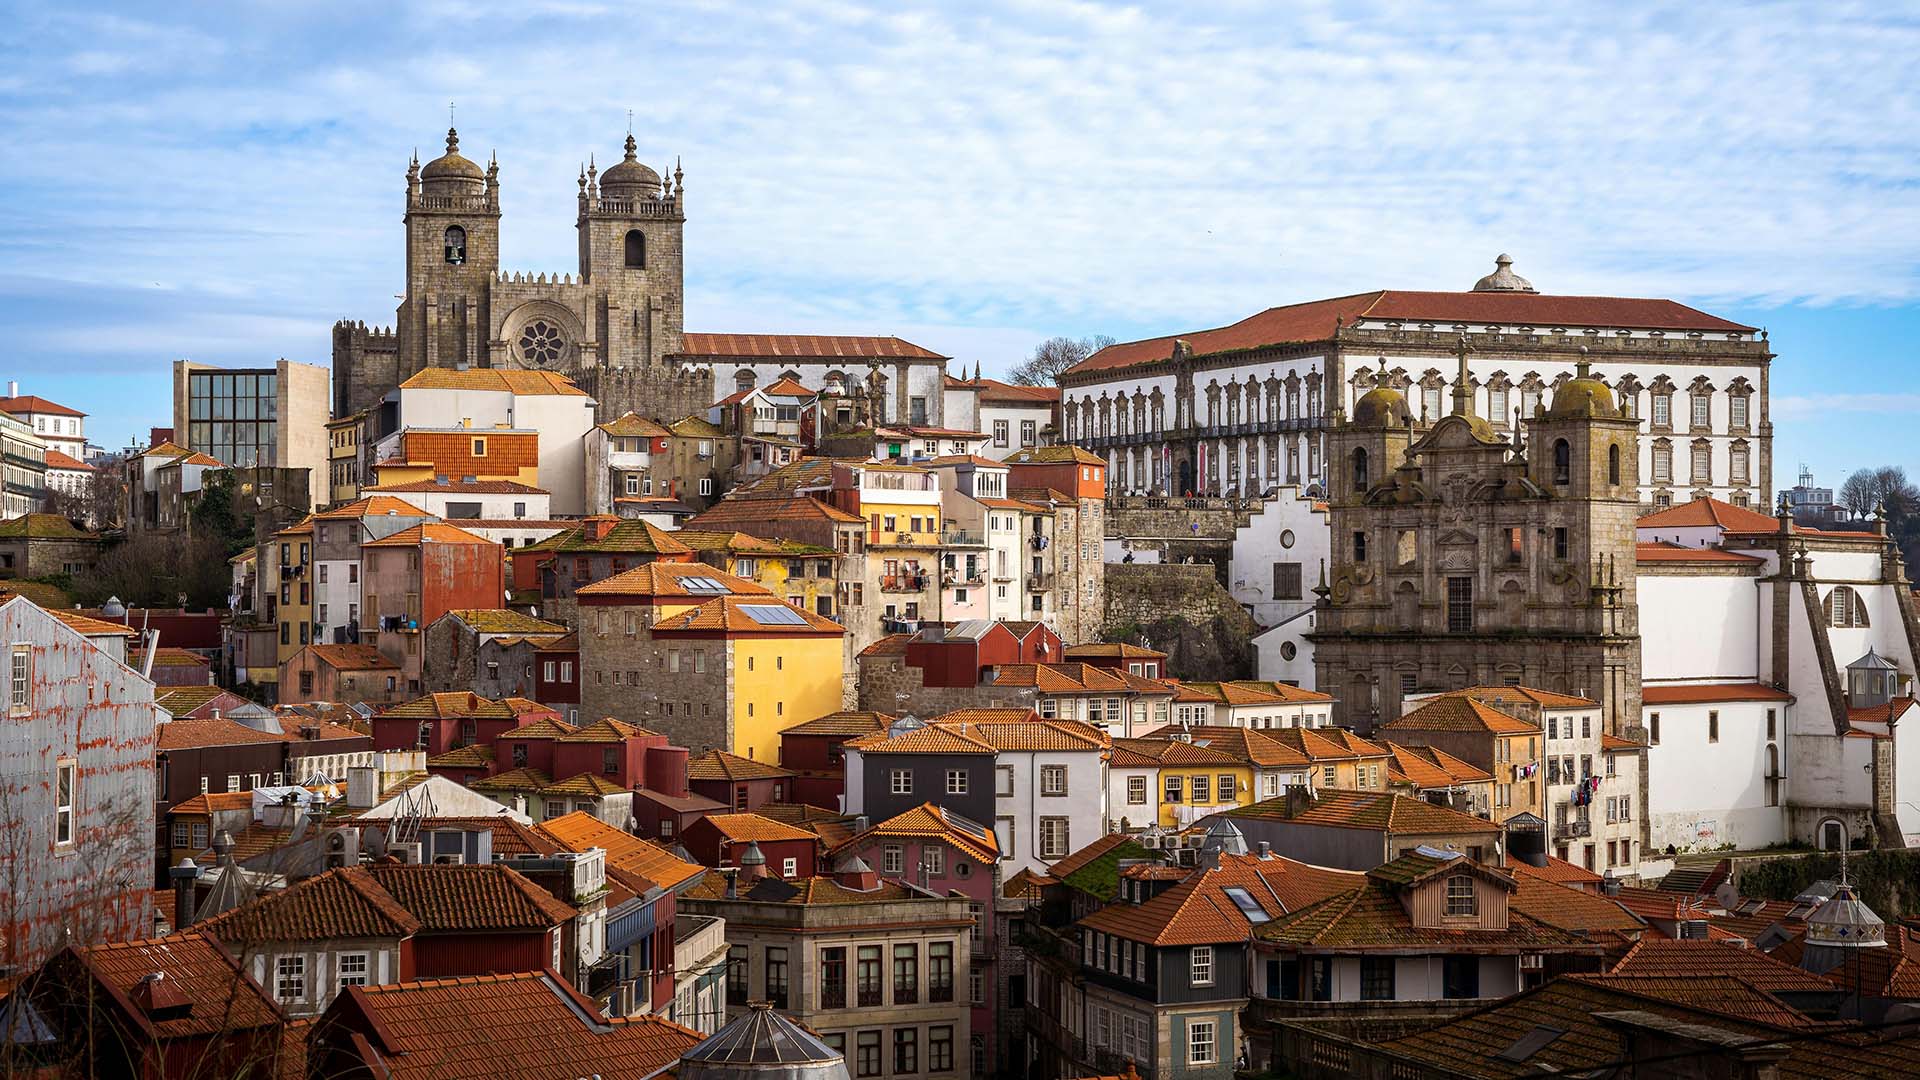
(232,415)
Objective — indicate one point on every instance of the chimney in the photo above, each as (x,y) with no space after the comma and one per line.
(1299,799)
(184,900)
(363,787)
(598,526)
(753,862)
(13,388)
(1264,850)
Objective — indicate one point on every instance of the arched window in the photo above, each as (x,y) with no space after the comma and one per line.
(743,380)
(1845,608)
(1359,469)
(636,249)
(1562,462)
(456,245)
(1613,464)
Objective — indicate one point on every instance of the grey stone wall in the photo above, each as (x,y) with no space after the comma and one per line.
(1184,611)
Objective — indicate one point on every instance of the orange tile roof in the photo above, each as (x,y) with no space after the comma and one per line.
(352,658)
(462,487)
(848,722)
(1430,767)
(506,380)
(1613,743)
(1663,551)
(195,734)
(1697,693)
(1326,744)
(430,532)
(802,347)
(1003,730)
(1197,911)
(634,425)
(1558,871)
(197,970)
(1452,712)
(1164,752)
(463,757)
(372,506)
(741,828)
(470,899)
(1551,699)
(86,626)
(1568,907)
(458,704)
(1658,956)
(36,405)
(761,516)
(482,1027)
(606,730)
(214,802)
(1373,810)
(736,615)
(1249,746)
(1116,650)
(626,853)
(932,739)
(931,822)
(1710,513)
(1316,320)
(721,765)
(343,903)
(545,727)
(58,460)
(586,784)
(664,579)
(628,535)
(525,778)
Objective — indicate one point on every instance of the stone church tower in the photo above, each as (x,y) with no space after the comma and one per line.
(610,327)
(1460,558)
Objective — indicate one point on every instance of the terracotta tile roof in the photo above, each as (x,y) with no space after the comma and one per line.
(43,527)
(506,380)
(372,506)
(664,579)
(931,822)
(629,535)
(1614,744)
(964,459)
(344,903)
(1148,753)
(587,785)
(1657,956)
(756,515)
(740,543)
(802,347)
(1710,513)
(197,970)
(1058,454)
(626,854)
(431,532)
(213,802)
(58,460)
(1246,745)
(1558,871)
(1028,734)
(741,828)
(249,843)
(1025,884)
(993,390)
(525,778)
(1725,995)
(1662,551)
(463,487)
(1431,767)
(1373,916)
(482,1027)
(459,704)
(607,730)
(503,621)
(1198,911)
(352,658)
(1451,712)
(179,700)
(748,615)
(470,899)
(923,740)
(1326,744)
(37,405)
(87,626)
(1551,699)
(1316,320)
(1695,693)
(1571,909)
(681,804)
(190,734)
(1116,650)
(545,727)
(1371,810)
(850,723)
(633,425)
(891,645)
(1075,678)
(168,656)
(720,765)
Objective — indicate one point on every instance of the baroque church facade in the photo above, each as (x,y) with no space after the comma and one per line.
(616,326)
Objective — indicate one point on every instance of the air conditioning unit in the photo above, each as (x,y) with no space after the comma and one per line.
(406,853)
(449,859)
(342,847)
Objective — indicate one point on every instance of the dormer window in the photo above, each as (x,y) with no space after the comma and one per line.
(1461,902)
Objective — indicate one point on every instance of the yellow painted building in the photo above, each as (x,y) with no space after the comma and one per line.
(783,666)
(287,574)
(1174,782)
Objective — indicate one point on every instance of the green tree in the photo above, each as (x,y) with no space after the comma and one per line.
(216,514)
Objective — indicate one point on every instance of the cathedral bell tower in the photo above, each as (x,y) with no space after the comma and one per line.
(453,252)
(631,258)
(1367,449)
(1587,455)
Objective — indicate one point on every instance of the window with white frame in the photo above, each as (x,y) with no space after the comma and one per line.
(353,969)
(956,781)
(1460,898)
(1053,837)
(1053,779)
(1200,965)
(900,781)
(21,701)
(1202,1046)
(290,978)
(1136,790)
(65,775)
(893,859)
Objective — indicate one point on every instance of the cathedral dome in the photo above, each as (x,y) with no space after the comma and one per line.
(1583,396)
(630,179)
(1382,407)
(1503,279)
(450,173)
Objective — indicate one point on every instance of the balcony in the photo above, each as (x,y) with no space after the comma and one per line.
(1573,829)
(1040,582)
(901,539)
(962,538)
(903,583)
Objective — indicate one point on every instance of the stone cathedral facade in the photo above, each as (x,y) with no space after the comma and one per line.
(1462,556)
(610,327)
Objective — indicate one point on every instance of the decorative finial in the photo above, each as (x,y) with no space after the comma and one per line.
(630,146)
(449,114)
(1382,378)
(1463,382)
(629,123)
(1582,368)
(453,141)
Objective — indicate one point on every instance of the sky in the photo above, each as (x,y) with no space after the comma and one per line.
(222,183)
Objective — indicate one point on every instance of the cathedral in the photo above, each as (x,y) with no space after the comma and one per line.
(1461,558)
(616,327)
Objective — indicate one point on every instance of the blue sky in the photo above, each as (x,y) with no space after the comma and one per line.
(223,182)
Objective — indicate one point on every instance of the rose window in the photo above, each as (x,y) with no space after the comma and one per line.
(541,343)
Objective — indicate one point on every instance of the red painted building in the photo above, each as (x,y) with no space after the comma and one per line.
(1066,469)
(739,783)
(721,839)
(415,576)
(556,676)
(956,655)
(438,723)
(811,751)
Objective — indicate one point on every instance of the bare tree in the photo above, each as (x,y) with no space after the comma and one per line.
(155,569)
(1053,356)
(1867,490)
(99,505)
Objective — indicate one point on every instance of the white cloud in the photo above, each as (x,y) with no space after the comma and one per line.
(1823,406)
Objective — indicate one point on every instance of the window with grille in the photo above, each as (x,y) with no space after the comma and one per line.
(1460,898)
(900,781)
(1460,605)
(1053,780)
(940,971)
(867,976)
(1202,1046)
(1200,965)
(867,1044)
(1376,978)
(290,978)
(1702,464)
(956,781)
(777,977)
(353,969)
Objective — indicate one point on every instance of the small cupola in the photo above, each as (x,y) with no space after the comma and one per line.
(1503,279)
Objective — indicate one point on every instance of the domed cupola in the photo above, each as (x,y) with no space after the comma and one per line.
(1582,396)
(1503,279)
(452,174)
(630,179)
(1382,406)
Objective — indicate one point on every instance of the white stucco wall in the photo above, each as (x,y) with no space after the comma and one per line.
(1707,794)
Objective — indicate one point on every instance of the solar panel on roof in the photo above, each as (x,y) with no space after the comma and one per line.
(702,584)
(1243,900)
(772,615)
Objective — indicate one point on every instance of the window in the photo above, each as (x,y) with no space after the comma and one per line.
(1737,465)
(956,781)
(1562,462)
(1613,464)
(353,969)
(1000,433)
(290,978)
(1713,725)
(1201,1044)
(21,701)
(1053,837)
(1286,581)
(1662,408)
(1136,791)
(833,978)
(1460,977)
(777,977)
(1702,409)
(1359,546)
(933,858)
(1053,779)
(1560,542)
(636,250)
(906,974)
(940,1049)
(900,781)
(1172,792)
(1460,899)
(1460,605)
(1003,778)
(893,859)
(1376,978)
(1359,470)
(1653,729)
(867,975)
(1200,965)
(940,971)
(64,777)
(906,1047)
(456,245)
(737,975)
(1202,790)
(1702,463)
(867,1044)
